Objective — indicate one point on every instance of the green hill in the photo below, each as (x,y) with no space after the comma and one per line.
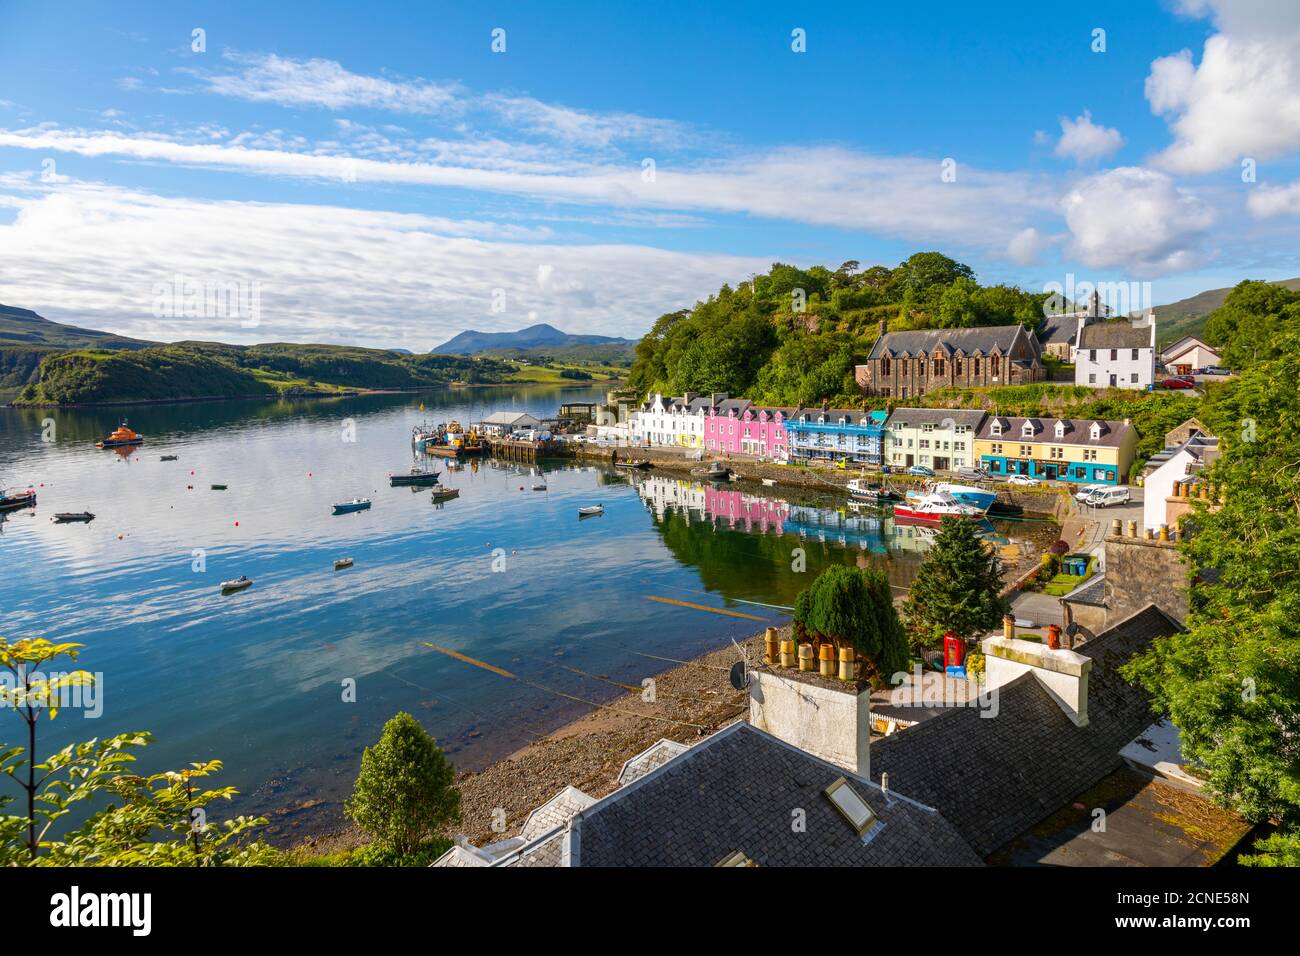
(1188,316)
(26,338)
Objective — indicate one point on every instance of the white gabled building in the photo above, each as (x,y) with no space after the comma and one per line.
(1116,354)
(677,422)
(1188,354)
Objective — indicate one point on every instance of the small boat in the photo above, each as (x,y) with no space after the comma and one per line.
(169,457)
(414,477)
(238,584)
(65,516)
(219,487)
(936,506)
(342,563)
(121,436)
(356,504)
(716,472)
(863,490)
(539,487)
(24,499)
(590,510)
(980,498)
(640,463)
(768,482)
(444,494)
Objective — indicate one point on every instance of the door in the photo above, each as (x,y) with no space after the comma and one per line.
(941,464)
(1051,472)
(1112,381)
(910,461)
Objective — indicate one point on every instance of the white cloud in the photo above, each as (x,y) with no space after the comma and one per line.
(1026,246)
(1266,202)
(93,254)
(1243,99)
(1084,141)
(1134,218)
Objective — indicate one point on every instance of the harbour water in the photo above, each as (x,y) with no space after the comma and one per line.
(287,681)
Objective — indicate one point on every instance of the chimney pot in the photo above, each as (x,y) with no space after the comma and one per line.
(1116,527)
(1054,636)
(826,660)
(1008,626)
(1132,528)
(772,646)
(846,663)
(1164,532)
(805,657)
(787,653)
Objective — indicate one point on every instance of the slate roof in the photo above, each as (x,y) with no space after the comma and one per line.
(1078,431)
(1115,334)
(735,791)
(1058,329)
(914,417)
(993,777)
(656,755)
(1092,591)
(924,341)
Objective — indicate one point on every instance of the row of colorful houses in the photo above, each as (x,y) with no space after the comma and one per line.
(942,439)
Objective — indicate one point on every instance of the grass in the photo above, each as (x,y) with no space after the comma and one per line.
(550,374)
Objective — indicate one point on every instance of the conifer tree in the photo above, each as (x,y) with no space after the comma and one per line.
(957,588)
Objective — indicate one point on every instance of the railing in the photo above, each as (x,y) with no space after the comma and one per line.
(871,431)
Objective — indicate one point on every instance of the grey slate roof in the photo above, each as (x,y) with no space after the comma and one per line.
(924,341)
(1058,329)
(734,791)
(912,417)
(1115,334)
(1078,431)
(993,777)
(1092,591)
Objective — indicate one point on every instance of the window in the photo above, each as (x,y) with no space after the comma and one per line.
(997,448)
(884,366)
(1092,379)
(1135,356)
(1026,451)
(995,428)
(959,446)
(924,443)
(977,366)
(1114,354)
(1027,430)
(1092,355)
(1134,377)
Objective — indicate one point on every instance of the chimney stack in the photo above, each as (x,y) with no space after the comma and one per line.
(1008,627)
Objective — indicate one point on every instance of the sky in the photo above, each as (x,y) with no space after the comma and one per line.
(389,174)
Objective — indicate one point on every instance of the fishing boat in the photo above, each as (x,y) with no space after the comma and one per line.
(935,506)
(65,516)
(121,437)
(454,442)
(444,494)
(23,499)
(169,457)
(238,584)
(342,563)
(356,504)
(590,510)
(640,463)
(862,490)
(981,498)
(414,477)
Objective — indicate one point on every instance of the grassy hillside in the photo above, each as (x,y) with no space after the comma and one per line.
(205,369)
(23,327)
(1189,316)
(619,355)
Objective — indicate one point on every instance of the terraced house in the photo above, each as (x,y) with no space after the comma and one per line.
(1060,449)
(938,438)
(736,426)
(663,420)
(838,434)
(910,364)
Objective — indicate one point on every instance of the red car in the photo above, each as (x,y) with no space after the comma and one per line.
(1178,381)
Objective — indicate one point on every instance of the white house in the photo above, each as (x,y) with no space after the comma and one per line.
(1187,354)
(505,423)
(674,421)
(1116,354)
(1180,463)
(939,438)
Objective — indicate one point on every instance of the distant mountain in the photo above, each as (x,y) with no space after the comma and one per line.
(25,327)
(535,337)
(1187,316)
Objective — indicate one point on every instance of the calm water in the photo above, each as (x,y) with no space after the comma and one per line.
(257,678)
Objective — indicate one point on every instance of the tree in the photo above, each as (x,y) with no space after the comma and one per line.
(957,588)
(850,606)
(404,794)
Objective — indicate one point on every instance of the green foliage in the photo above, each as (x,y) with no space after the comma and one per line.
(1254,322)
(1231,681)
(956,588)
(404,794)
(374,855)
(793,336)
(1278,849)
(854,606)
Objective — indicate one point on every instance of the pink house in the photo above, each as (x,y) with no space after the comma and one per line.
(737,427)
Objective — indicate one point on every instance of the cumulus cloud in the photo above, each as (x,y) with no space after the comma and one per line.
(1266,202)
(95,255)
(1136,218)
(1243,98)
(1026,247)
(1084,141)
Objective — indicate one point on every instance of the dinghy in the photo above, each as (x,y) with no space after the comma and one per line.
(238,584)
(591,510)
(342,563)
(356,504)
(65,516)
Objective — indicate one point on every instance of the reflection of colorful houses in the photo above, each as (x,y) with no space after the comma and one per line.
(737,427)
(1064,449)
(849,434)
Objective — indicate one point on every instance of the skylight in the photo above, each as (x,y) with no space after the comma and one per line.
(851,805)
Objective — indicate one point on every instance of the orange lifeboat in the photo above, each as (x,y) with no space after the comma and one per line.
(121,436)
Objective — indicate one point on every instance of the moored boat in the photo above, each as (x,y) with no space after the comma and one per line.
(640,463)
(862,490)
(935,506)
(342,563)
(121,437)
(444,494)
(23,499)
(169,457)
(238,584)
(980,498)
(356,504)
(414,477)
(66,516)
(590,510)
(219,487)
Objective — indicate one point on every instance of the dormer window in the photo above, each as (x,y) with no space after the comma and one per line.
(1027,430)
(995,428)
(1095,432)
(1060,429)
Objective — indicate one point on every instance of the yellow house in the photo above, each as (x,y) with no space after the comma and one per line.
(1057,449)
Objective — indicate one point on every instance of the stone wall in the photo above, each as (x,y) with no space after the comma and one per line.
(1140,571)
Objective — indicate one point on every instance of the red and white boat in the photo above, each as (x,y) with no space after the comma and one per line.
(935,506)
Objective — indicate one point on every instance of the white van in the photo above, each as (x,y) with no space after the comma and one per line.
(1106,497)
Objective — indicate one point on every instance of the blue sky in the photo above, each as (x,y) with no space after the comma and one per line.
(381,176)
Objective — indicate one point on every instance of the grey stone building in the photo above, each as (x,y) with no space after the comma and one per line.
(908,364)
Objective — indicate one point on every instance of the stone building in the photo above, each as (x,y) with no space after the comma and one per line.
(909,364)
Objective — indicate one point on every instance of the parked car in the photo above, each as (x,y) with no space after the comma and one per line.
(973,474)
(921,471)
(1021,480)
(1106,497)
(1178,381)
(1213,370)
(1086,491)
